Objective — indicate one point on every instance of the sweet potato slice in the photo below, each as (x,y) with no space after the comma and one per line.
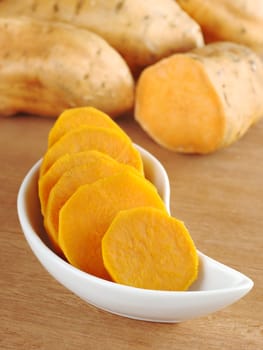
(98,166)
(61,165)
(104,140)
(75,117)
(145,247)
(86,216)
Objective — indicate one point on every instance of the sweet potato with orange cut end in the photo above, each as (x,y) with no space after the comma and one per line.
(203,100)
(75,117)
(105,140)
(98,166)
(146,248)
(88,213)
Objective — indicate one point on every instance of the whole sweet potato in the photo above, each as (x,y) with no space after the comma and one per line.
(142,31)
(239,21)
(48,67)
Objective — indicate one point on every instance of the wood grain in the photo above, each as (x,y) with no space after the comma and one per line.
(220,199)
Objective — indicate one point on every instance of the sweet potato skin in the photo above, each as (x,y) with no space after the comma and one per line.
(49,67)
(142,31)
(237,75)
(239,21)
(230,77)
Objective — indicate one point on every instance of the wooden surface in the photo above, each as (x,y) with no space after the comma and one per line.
(220,198)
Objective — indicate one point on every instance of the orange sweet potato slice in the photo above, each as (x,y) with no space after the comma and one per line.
(87,214)
(104,140)
(98,166)
(61,165)
(146,248)
(75,117)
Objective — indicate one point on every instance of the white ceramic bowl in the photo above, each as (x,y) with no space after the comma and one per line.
(217,286)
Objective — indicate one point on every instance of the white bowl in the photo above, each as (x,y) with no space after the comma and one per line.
(217,286)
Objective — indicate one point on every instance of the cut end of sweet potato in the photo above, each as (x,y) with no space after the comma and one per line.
(178,106)
(146,248)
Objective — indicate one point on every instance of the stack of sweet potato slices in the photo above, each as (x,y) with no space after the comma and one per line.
(100,212)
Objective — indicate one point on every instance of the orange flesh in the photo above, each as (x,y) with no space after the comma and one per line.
(87,214)
(104,140)
(75,117)
(61,165)
(178,106)
(146,248)
(98,166)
